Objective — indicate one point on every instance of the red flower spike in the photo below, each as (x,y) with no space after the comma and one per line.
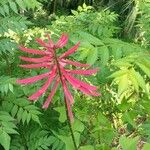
(58,73)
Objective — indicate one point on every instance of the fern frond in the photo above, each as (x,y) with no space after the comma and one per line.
(40,139)
(7,46)
(21,109)
(14,23)
(8,6)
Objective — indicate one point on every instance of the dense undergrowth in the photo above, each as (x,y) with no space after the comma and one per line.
(114,39)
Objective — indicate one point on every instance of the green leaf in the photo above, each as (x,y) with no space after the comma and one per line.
(133,79)
(6,9)
(141,81)
(90,38)
(24,116)
(129,117)
(36,119)
(87,147)
(144,68)
(92,56)
(13,6)
(123,84)
(74,12)
(5,140)
(78,125)
(146,146)
(104,54)
(2,11)
(19,114)
(62,113)
(128,143)
(14,110)
(118,73)
(21,4)
(79,8)
(84,5)
(68,140)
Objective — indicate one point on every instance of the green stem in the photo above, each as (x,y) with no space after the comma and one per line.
(67,114)
(70,126)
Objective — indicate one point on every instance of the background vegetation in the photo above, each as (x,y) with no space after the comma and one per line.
(114,36)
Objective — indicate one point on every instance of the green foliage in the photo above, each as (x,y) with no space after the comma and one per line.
(38,140)
(8,6)
(127,143)
(6,84)
(21,109)
(120,118)
(14,23)
(7,126)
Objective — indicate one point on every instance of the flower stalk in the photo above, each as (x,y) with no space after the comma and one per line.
(57,74)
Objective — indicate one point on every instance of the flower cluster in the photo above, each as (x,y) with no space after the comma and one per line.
(57,71)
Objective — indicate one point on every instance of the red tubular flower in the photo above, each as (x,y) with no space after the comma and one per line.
(57,73)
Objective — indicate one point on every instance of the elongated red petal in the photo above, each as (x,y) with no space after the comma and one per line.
(44,87)
(33,79)
(85,90)
(62,41)
(83,72)
(32,51)
(75,81)
(42,90)
(47,102)
(50,42)
(42,43)
(70,51)
(88,92)
(74,63)
(30,66)
(67,92)
(36,60)
(69,109)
